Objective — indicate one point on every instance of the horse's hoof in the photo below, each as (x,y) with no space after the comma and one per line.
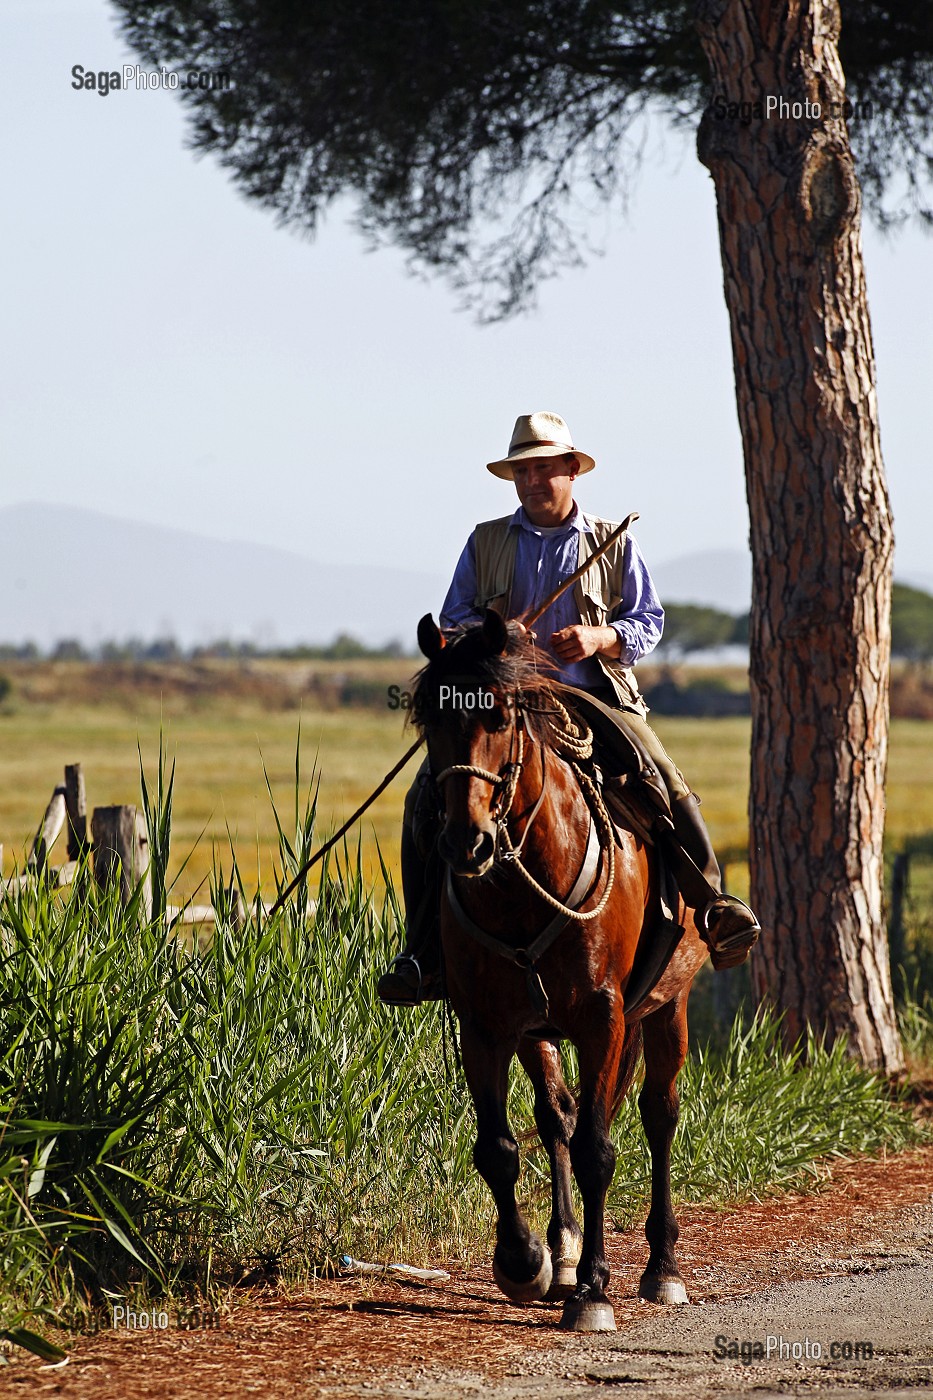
(588,1315)
(669,1291)
(533,1291)
(563,1280)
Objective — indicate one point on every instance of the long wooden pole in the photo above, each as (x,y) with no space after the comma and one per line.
(535,613)
(293,885)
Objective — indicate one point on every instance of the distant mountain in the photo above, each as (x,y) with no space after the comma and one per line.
(75,573)
(722,578)
(715,578)
(71,573)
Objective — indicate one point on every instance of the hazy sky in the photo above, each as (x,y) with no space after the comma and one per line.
(172,356)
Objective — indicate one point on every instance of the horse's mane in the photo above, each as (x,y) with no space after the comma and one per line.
(466,659)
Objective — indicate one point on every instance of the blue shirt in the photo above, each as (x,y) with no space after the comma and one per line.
(543,559)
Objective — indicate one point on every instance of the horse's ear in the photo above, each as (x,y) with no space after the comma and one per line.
(495,632)
(430,637)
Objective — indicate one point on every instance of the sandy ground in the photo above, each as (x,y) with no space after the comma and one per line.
(850,1265)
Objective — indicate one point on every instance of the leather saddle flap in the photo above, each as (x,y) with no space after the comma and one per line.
(621,754)
(636,797)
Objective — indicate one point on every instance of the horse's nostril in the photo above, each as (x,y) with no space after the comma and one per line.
(483,847)
(468,853)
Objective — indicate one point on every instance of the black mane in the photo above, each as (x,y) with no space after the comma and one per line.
(521,670)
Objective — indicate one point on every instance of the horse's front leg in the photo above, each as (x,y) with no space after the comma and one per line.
(555,1117)
(593,1157)
(665,1048)
(521,1265)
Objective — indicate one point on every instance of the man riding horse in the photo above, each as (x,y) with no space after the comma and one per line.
(594,633)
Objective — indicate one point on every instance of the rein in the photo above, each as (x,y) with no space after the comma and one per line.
(574,744)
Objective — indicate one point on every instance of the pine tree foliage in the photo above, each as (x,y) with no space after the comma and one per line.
(477,134)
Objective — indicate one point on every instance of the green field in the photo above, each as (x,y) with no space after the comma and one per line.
(225,724)
(222,763)
(227,738)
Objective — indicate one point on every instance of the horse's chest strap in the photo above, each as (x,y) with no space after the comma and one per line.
(527,958)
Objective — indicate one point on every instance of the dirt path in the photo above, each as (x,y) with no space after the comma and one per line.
(850,1265)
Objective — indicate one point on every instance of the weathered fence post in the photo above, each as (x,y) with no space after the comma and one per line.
(76,808)
(121,852)
(52,823)
(900,882)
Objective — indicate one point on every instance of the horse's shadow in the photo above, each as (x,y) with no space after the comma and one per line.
(479,1308)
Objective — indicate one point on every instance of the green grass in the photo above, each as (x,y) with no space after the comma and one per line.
(164,1106)
(916,1023)
(757,1119)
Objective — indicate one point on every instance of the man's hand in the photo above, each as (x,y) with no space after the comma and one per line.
(578,642)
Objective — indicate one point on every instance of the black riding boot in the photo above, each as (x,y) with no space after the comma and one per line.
(725,923)
(415,975)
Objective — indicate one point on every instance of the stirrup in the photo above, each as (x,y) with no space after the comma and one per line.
(739,935)
(395,988)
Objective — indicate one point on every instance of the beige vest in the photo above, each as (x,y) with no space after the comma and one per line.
(598,594)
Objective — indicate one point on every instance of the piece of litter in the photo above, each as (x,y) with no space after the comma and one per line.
(349,1265)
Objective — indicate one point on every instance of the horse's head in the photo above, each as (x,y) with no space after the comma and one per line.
(469,702)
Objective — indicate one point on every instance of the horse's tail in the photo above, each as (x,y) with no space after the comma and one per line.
(631,1050)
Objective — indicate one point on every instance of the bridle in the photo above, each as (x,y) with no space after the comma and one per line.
(506,782)
(574,743)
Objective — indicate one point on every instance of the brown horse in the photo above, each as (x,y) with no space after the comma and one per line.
(517,838)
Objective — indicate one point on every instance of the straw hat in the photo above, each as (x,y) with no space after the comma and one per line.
(538,435)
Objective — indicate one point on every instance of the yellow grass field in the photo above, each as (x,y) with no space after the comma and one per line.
(224,724)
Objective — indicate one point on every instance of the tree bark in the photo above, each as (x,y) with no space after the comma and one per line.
(789,211)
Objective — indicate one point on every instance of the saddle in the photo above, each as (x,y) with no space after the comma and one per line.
(635,793)
(637,801)
(632,784)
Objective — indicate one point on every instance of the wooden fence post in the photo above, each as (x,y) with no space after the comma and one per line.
(52,823)
(76,808)
(900,883)
(121,852)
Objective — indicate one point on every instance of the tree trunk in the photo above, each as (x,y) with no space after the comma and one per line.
(789,220)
